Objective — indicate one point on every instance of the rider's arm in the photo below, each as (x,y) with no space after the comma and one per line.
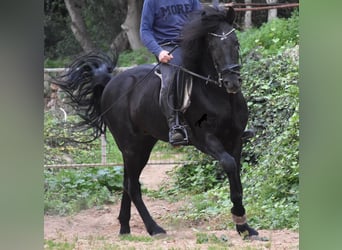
(146,28)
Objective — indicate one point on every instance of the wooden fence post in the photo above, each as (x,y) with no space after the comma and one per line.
(103,149)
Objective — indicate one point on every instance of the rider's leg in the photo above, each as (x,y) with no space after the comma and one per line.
(168,94)
(167,102)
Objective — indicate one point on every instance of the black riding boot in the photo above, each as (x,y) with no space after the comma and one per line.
(177,133)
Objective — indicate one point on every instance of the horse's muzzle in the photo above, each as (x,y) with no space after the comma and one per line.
(232,85)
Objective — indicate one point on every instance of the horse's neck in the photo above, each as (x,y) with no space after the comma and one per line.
(207,67)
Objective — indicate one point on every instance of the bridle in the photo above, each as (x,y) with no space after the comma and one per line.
(224,35)
(230,68)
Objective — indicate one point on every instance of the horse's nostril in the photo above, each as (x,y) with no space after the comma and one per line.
(232,87)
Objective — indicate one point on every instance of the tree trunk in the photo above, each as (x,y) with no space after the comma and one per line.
(120,43)
(272,13)
(132,23)
(78,26)
(248,16)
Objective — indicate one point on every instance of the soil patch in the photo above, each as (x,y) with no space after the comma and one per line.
(98,228)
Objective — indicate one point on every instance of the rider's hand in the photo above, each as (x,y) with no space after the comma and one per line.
(164,56)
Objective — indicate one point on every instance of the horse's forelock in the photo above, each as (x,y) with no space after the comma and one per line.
(201,23)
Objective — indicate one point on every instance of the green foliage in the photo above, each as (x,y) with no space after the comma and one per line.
(60,142)
(272,94)
(53,245)
(204,238)
(137,57)
(200,175)
(213,203)
(103,19)
(71,190)
(271,37)
(136,238)
(56,63)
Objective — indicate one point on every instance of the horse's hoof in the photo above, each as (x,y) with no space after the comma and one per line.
(159,235)
(125,231)
(124,234)
(157,231)
(258,238)
(246,231)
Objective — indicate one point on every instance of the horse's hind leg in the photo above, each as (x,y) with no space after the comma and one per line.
(125,210)
(135,158)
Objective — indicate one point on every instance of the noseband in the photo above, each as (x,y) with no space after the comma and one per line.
(230,68)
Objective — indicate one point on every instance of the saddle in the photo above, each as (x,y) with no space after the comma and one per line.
(183,95)
(183,89)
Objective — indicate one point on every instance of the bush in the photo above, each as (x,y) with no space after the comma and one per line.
(272,94)
(71,190)
(140,56)
(272,37)
(63,144)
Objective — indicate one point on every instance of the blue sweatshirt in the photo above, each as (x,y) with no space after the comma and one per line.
(162,21)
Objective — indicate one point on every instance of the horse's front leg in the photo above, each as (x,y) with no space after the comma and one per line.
(231,165)
(241,222)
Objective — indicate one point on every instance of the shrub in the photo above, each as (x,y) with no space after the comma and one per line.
(140,56)
(272,37)
(71,190)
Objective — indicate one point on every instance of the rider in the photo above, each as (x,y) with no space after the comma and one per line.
(161,24)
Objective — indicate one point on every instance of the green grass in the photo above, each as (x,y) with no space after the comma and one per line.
(140,56)
(136,238)
(53,245)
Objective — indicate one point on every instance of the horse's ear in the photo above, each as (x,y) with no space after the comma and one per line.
(230,15)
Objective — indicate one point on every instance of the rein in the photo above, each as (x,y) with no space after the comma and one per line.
(207,79)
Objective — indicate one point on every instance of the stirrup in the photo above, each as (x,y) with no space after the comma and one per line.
(182,129)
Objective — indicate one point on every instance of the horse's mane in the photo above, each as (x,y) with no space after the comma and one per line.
(193,33)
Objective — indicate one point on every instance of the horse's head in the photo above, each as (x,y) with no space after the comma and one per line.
(211,46)
(224,49)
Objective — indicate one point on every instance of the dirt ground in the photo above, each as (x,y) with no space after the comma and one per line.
(98,228)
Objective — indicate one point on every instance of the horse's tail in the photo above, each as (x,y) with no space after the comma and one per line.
(84,83)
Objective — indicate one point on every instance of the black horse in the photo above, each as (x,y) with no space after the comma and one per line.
(128,104)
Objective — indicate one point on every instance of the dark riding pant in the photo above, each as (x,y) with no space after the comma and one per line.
(167,92)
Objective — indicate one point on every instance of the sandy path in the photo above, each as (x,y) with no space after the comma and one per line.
(98,228)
